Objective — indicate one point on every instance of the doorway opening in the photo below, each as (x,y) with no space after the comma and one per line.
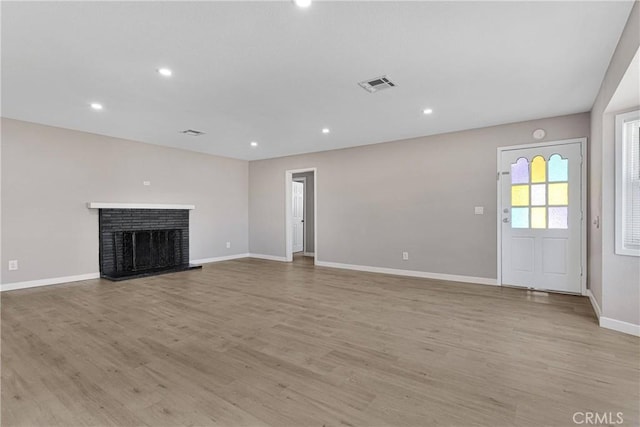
(541,216)
(301,214)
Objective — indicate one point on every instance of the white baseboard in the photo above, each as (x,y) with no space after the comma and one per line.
(309,254)
(46,282)
(269,257)
(218,259)
(620,326)
(613,324)
(58,280)
(594,303)
(410,273)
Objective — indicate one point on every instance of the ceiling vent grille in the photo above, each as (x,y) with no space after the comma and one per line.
(192,132)
(377,84)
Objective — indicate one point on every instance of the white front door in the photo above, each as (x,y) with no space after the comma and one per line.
(298,216)
(541,217)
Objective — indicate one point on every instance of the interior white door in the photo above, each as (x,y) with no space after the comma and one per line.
(298,216)
(541,217)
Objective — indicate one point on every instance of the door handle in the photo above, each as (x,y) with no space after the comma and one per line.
(505,220)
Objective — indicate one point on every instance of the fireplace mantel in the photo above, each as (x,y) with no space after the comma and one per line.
(106,205)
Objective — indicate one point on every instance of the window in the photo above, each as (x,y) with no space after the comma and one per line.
(542,200)
(628,183)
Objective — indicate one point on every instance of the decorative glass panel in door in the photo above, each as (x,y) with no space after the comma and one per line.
(541,217)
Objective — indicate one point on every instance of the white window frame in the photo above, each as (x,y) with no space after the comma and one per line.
(621,187)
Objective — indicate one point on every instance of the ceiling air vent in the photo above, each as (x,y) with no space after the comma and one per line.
(192,132)
(377,84)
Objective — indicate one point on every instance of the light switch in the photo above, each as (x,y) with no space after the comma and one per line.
(479,210)
(146,183)
(13,264)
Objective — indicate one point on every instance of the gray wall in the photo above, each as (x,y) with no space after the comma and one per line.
(613,278)
(49,174)
(308,210)
(415,195)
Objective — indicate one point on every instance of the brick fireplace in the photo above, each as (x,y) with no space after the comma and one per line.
(139,241)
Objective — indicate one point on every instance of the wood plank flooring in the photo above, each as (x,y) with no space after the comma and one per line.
(252,342)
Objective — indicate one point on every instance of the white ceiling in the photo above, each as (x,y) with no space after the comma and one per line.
(277,74)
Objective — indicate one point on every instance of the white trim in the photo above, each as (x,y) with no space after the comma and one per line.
(304,210)
(410,273)
(309,254)
(47,282)
(543,144)
(583,232)
(620,170)
(583,178)
(594,303)
(106,205)
(620,326)
(218,259)
(269,257)
(288,179)
(499,216)
(315,212)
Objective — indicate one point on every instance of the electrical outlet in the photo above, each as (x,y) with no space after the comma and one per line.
(146,183)
(479,210)
(13,264)
(405,256)
(228,245)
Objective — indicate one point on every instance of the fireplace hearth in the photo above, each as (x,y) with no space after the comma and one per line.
(143,242)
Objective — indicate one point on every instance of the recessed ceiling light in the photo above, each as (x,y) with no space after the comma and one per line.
(165,72)
(427,111)
(96,106)
(302,3)
(325,130)
(254,144)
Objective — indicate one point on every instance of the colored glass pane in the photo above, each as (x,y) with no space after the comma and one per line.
(558,217)
(538,169)
(538,217)
(559,194)
(520,218)
(538,194)
(519,195)
(558,168)
(520,171)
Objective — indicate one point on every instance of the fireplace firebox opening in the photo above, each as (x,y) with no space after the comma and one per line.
(142,242)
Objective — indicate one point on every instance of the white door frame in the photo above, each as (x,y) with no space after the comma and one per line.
(288,217)
(303,180)
(583,207)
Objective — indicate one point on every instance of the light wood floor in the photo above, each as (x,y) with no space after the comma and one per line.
(253,342)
